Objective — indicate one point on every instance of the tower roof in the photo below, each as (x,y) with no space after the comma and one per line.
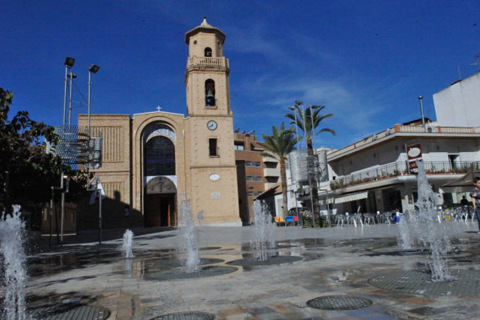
(205,27)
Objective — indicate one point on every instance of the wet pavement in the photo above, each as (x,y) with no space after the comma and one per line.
(332,273)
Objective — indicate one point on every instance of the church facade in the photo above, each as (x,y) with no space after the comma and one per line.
(154,161)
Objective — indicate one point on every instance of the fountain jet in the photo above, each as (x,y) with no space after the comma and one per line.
(13,264)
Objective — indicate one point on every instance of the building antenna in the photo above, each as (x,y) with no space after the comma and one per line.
(477,62)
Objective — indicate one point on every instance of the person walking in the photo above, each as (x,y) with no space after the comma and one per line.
(475,195)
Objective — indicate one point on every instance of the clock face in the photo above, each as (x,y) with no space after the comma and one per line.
(212,125)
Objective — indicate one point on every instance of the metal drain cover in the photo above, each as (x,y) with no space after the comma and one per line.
(79,312)
(186,316)
(339,303)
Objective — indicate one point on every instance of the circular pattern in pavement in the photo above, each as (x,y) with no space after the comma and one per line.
(465,283)
(339,303)
(68,311)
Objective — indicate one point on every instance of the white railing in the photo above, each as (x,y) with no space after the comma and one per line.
(404,129)
(399,168)
(208,61)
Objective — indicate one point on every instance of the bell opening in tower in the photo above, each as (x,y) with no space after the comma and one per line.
(208,52)
(210,93)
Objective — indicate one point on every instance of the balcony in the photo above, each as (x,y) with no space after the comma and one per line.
(271,172)
(400,168)
(207,62)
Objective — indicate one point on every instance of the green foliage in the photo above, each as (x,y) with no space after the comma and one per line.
(308,120)
(278,146)
(27,172)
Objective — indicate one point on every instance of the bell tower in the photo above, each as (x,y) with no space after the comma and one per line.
(213,179)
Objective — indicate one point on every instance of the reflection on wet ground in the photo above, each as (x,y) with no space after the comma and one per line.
(154,261)
(464,250)
(307,268)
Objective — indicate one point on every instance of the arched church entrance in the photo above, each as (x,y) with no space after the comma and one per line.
(159,177)
(160,199)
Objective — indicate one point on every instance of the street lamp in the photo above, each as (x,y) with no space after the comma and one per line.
(292,108)
(69,62)
(420,99)
(70,76)
(295,114)
(92,69)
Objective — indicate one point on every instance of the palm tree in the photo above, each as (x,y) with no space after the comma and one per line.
(278,146)
(307,121)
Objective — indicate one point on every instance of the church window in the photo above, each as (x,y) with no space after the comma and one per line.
(159,156)
(210,93)
(212,147)
(208,52)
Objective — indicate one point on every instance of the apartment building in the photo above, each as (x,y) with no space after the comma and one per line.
(255,173)
(378,173)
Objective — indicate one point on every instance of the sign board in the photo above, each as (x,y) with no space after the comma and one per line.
(414,153)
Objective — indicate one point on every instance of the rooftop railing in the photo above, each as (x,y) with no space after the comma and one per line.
(405,129)
(400,168)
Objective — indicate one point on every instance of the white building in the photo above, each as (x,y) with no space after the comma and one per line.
(377,174)
(374,174)
(458,105)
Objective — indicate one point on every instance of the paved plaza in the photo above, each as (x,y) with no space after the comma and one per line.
(331,273)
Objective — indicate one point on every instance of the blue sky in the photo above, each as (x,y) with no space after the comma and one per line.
(366,61)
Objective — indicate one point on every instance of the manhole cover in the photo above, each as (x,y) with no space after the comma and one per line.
(186,316)
(419,283)
(63,312)
(339,303)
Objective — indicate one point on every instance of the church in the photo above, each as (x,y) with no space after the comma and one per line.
(153,161)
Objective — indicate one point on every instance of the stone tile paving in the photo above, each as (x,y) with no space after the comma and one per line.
(337,264)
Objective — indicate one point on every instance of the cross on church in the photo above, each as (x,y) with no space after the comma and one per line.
(159,108)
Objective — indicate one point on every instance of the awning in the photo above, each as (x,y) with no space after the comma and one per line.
(351,197)
(466,180)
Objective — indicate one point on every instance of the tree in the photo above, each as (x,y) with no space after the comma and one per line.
(308,120)
(278,146)
(27,172)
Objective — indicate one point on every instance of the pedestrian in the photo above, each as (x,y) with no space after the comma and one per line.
(397,216)
(475,195)
(464,201)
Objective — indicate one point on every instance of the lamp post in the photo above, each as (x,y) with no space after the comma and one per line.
(71,76)
(296,126)
(420,99)
(92,69)
(312,127)
(69,62)
(290,165)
